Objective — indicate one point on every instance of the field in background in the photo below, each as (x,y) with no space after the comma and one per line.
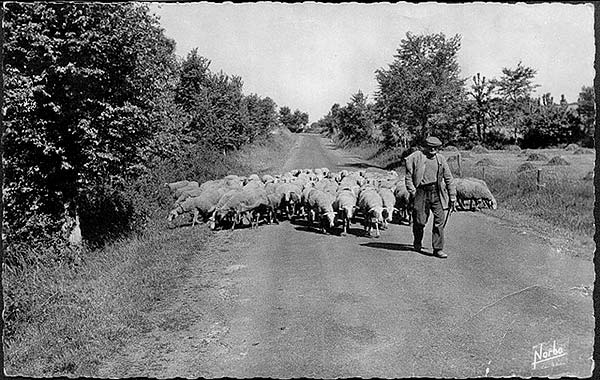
(65,319)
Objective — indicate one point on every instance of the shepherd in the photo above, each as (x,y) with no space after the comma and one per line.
(431,185)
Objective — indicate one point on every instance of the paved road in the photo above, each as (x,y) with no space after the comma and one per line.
(314,305)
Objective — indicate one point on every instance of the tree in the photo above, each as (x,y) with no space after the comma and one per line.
(586,111)
(356,120)
(295,121)
(81,83)
(548,124)
(423,80)
(481,91)
(515,87)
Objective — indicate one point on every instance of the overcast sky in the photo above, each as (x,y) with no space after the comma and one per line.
(309,56)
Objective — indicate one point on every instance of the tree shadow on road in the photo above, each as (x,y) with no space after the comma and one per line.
(395,247)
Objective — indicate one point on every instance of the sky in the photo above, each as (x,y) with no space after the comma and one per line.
(308,56)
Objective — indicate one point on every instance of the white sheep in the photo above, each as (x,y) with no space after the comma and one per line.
(389,205)
(371,206)
(403,201)
(248,203)
(190,186)
(473,189)
(291,195)
(204,204)
(320,206)
(344,205)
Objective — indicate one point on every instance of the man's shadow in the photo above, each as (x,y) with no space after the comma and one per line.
(396,247)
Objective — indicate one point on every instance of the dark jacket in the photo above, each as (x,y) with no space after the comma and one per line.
(415,168)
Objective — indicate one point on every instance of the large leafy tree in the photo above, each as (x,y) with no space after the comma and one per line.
(546,123)
(482,91)
(422,81)
(81,84)
(356,120)
(515,87)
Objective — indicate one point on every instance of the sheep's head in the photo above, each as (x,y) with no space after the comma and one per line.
(376,214)
(386,214)
(330,215)
(349,211)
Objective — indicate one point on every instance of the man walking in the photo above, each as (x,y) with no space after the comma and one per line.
(430,183)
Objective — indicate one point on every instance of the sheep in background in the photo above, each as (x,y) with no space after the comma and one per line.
(291,195)
(389,203)
(403,201)
(190,186)
(267,179)
(473,189)
(345,204)
(327,185)
(320,206)
(371,206)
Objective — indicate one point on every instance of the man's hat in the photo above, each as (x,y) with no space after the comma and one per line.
(433,142)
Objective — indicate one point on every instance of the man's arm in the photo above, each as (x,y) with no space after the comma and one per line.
(410,186)
(449,180)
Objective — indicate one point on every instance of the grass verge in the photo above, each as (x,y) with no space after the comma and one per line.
(67,318)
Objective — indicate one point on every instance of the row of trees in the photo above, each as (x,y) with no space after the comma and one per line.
(94,96)
(421,92)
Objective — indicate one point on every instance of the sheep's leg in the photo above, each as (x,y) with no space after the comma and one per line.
(376,229)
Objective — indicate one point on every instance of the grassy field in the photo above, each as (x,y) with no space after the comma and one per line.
(65,319)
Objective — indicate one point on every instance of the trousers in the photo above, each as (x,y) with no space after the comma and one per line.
(427,199)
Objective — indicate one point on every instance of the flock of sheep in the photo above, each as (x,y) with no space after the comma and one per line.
(323,197)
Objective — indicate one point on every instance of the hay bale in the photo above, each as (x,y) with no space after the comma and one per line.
(589,176)
(572,147)
(557,161)
(583,151)
(485,162)
(478,149)
(512,148)
(525,167)
(537,157)
(451,148)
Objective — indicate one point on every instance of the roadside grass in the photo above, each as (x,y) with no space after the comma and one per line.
(67,318)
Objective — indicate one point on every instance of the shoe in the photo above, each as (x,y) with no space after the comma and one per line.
(417,248)
(440,254)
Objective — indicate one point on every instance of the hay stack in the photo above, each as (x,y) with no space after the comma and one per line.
(537,157)
(558,161)
(571,147)
(525,167)
(478,149)
(512,148)
(485,162)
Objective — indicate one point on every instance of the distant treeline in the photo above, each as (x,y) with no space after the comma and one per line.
(421,92)
(95,103)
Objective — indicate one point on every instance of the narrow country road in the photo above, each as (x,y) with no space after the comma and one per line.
(297,303)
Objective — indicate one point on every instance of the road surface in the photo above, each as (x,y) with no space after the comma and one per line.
(288,301)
